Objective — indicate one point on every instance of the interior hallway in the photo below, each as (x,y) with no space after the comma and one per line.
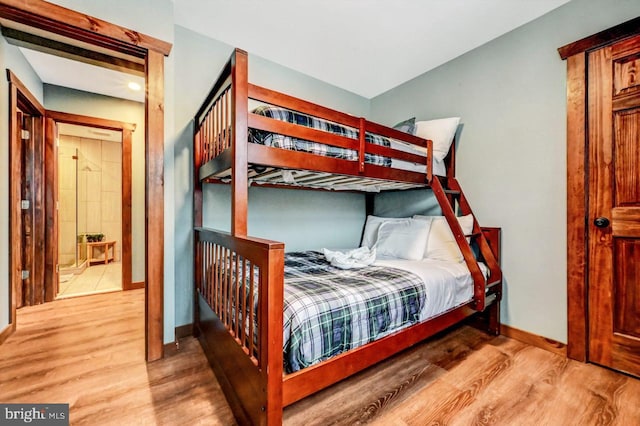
(89,352)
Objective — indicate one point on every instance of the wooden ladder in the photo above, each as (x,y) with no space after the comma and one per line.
(486,291)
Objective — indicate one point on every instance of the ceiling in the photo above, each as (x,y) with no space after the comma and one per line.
(364,46)
(81,76)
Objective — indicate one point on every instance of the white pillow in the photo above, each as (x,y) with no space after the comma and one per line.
(441,132)
(403,239)
(441,244)
(370,234)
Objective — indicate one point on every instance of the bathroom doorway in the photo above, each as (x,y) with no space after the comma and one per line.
(93,169)
(89,210)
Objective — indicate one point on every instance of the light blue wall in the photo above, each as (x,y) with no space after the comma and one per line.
(303,220)
(10,58)
(298,218)
(510,94)
(58,98)
(406,203)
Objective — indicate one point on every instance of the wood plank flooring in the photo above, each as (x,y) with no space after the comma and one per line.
(89,352)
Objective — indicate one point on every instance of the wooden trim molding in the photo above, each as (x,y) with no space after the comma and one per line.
(20,99)
(181,332)
(133,286)
(51,278)
(96,35)
(13,79)
(576,208)
(68,51)
(595,41)
(154,226)
(78,26)
(534,340)
(85,120)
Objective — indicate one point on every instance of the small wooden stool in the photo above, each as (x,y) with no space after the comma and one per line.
(104,245)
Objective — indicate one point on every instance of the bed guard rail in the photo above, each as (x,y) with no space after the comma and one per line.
(222,124)
(241,280)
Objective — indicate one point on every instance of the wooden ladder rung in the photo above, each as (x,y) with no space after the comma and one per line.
(493,283)
(473,234)
(489,299)
(451,191)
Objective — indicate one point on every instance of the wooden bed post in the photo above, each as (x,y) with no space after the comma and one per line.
(239,135)
(197,221)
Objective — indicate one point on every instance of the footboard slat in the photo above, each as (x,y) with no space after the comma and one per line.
(239,291)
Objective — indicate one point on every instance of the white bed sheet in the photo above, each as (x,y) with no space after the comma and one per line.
(448,284)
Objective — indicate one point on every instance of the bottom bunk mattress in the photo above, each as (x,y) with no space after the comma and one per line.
(328,310)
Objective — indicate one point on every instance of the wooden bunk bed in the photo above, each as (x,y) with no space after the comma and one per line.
(239,280)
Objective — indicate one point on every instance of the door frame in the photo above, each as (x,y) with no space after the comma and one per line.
(95,36)
(577,181)
(126,129)
(19,99)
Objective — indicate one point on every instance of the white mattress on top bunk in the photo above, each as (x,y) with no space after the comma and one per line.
(439,168)
(449,284)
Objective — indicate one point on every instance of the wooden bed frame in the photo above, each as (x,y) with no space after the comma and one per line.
(246,351)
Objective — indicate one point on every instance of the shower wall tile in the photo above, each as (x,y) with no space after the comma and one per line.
(93,184)
(111,210)
(67,241)
(112,176)
(92,152)
(67,206)
(111,152)
(94,217)
(66,172)
(99,192)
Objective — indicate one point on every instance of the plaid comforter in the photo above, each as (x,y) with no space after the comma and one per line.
(286,142)
(329,310)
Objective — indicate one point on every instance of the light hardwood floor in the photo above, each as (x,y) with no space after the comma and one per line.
(89,352)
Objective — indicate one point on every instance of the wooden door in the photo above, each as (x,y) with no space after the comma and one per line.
(614,206)
(30,288)
(27,186)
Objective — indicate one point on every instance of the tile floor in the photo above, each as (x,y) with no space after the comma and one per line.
(98,278)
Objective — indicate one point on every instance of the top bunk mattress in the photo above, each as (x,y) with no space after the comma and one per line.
(286,142)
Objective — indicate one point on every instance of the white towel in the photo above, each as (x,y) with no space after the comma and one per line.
(356,258)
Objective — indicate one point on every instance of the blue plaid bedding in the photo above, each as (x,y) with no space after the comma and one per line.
(328,310)
(286,142)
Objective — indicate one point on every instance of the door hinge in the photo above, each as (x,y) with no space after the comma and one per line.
(25,135)
(25,275)
(25,204)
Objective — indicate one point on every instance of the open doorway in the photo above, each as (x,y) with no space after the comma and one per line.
(73,34)
(94,210)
